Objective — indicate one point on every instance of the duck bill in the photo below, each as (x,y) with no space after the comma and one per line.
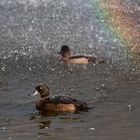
(35,93)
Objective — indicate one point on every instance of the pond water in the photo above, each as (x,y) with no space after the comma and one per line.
(31,34)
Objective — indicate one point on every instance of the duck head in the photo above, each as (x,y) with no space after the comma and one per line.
(42,90)
(65,51)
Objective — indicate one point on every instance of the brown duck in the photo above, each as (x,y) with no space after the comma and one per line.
(78,59)
(59,103)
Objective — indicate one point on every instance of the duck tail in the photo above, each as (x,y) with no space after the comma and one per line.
(86,107)
(91,59)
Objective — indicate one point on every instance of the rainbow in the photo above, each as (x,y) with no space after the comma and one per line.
(121,20)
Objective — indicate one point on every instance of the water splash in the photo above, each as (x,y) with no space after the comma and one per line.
(120,18)
(32,30)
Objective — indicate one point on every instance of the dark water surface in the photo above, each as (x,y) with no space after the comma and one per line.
(31,34)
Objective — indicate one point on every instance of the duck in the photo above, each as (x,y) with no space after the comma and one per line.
(65,52)
(57,103)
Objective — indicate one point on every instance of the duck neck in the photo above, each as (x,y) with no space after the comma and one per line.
(66,56)
(41,104)
(44,98)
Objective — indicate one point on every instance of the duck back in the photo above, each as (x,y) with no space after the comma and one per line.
(61,103)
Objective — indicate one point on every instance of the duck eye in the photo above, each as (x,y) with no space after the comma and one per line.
(40,88)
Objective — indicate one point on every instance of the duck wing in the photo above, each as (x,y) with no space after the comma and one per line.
(77,56)
(61,99)
(89,58)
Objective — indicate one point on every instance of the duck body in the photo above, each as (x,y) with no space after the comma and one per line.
(59,103)
(79,59)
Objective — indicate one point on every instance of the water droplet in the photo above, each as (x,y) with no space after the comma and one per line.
(102,20)
(52,69)
(130,78)
(30,69)
(129,107)
(4,128)
(7,120)
(3,68)
(92,128)
(102,85)
(71,89)
(97,89)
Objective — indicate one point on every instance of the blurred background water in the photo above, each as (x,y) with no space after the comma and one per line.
(31,34)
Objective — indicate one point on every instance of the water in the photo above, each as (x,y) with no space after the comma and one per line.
(31,34)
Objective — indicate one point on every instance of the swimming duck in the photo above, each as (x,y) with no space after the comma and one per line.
(80,59)
(59,103)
